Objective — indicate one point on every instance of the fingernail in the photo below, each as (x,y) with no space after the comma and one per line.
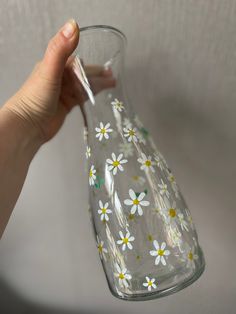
(69,28)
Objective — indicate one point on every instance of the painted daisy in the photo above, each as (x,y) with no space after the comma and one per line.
(150,283)
(160,252)
(122,275)
(138,180)
(189,218)
(146,162)
(136,202)
(170,210)
(173,183)
(116,163)
(130,133)
(103,131)
(163,189)
(191,257)
(118,105)
(102,250)
(92,176)
(125,240)
(104,211)
(183,222)
(126,149)
(88,152)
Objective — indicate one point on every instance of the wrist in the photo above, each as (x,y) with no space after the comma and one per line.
(18,134)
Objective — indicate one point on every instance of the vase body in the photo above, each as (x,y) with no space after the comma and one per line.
(145,235)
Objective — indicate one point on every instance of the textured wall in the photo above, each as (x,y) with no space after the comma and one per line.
(181,62)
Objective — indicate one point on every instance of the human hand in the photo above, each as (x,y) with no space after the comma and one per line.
(53,89)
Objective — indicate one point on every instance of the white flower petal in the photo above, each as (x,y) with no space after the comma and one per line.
(163,260)
(133,209)
(156,245)
(132,194)
(128,202)
(157,260)
(163,245)
(153,253)
(140,211)
(145,203)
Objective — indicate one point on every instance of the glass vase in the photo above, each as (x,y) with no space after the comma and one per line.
(145,235)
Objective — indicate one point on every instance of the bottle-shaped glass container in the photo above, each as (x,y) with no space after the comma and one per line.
(144,231)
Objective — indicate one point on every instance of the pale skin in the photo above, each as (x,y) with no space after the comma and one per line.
(37,111)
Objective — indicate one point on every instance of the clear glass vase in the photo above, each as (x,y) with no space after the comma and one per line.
(144,231)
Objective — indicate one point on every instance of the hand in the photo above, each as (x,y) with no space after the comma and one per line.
(53,89)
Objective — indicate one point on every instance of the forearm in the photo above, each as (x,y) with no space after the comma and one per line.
(19,141)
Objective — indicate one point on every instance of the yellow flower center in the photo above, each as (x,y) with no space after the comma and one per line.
(103,130)
(149,283)
(161,252)
(150,238)
(190,256)
(131,216)
(125,240)
(172,179)
(121,276)
(172,212)
(148,163)
(116,163)
(136,201)
(104,210)
(100,248)
(90,173)
(131,133)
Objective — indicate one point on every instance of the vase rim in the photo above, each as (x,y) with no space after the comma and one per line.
(105,28)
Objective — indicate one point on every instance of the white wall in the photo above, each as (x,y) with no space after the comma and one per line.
(181,65)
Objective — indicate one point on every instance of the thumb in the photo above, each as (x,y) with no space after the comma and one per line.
(58,50)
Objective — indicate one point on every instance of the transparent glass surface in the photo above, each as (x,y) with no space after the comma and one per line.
(145,235)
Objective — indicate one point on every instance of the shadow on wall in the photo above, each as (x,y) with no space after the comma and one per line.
(11,303)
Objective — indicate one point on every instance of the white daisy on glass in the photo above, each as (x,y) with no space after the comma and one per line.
(150,283)
(88,152)
(173,183)
(136,202)
(126,122)
(122,275)
(92,176)
(160,252)
(146,162)
(189,218)
(104,211)
(103,131)
(116,163)
(118,105)
(126,148)
(130,133)
(125,240)
(163,189)
(191,257)
(138,180)
(170,210)
(183,222)
(101,248)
